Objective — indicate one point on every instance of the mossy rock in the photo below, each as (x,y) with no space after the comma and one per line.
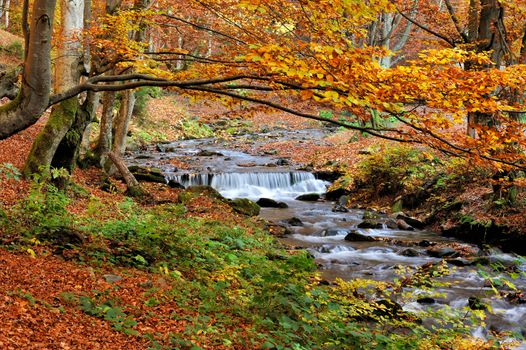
(200,190)
(245,206)
(147,174)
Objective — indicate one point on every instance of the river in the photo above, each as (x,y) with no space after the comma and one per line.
(322,231)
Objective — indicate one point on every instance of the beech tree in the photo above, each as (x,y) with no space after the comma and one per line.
(279,52)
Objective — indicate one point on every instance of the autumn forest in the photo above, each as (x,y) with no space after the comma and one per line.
(262,174)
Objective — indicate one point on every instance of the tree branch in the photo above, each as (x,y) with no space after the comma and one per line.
(456,22)
(200,27)
(430,31)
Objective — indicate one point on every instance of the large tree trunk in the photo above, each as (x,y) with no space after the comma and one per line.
(33,98)
(67,75)
(483,32)
(69,148)
(106,125)
(122,122)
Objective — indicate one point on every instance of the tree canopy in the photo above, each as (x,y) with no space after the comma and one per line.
(458,64)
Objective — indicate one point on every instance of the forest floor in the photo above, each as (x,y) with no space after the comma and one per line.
(82,298)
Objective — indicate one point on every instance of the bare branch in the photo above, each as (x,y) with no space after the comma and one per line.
(430,31)
(200,27)
(456,22)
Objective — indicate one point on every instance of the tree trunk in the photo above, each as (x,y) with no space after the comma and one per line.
(487,38)
(134,188)
(67,75)
(69,148)
(33,98)
(122,122)
(7,8)
(91,106)
(106,125)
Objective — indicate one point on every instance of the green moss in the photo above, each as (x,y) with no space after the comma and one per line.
(61,117)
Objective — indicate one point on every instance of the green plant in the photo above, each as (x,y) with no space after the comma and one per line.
(395,170)
(15,48)
(193,129)
(8,171)
(110,312)
(142,95)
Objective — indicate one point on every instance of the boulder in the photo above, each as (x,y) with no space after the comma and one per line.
(425,300)
(207,153)
(174,184)
(309,197)
(277,230)
(294,221)
(335,194)
(355,236)
(370,214)
(245,206)
(459,262)
(391,224)
(271,203)
(445,252)
(147,174)
(112,278)
(343,200)
(282,162)
(330,232)
(475,303)
(410,252)
(425,243)
(200,190)
(402,225)
(143,156)
(370,224)
(328,175)
(411,221)
(338,208)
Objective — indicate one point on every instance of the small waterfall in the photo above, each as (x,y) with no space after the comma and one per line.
(276,185)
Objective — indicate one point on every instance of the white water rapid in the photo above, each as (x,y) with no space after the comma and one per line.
(252,185)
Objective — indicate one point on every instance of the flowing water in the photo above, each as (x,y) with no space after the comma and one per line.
(322,231)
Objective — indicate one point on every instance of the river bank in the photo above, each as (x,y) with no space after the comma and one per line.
(346,243)
(186,270)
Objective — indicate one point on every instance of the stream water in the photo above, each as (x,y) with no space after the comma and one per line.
(236,174)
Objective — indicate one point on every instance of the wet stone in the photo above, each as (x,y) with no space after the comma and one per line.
(370,224)
(426,300)
(475,303)
(411,221)
(294,221)
(391,224)
(424,243)
(402,225)
(331,232)
(459,262)
(309,197)
(271,203)
(443,253)
(355,236)
(207,153)
(410,252)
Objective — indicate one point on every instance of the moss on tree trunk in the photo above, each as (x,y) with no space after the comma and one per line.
(49,138)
